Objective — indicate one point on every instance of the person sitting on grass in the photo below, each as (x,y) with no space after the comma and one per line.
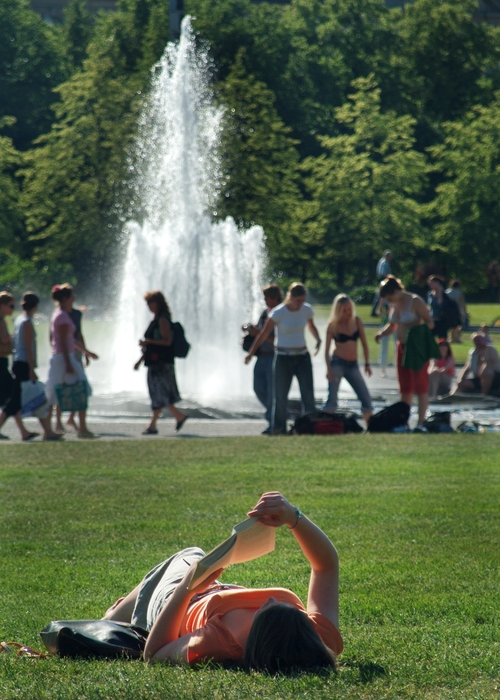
(441,371)
(481,372)
(267,628)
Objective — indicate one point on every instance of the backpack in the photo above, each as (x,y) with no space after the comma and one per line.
(439,422)
(387,419)
(451,312)
(180,345)
(322,423)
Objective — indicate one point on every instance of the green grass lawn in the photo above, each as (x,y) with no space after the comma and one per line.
(415,519)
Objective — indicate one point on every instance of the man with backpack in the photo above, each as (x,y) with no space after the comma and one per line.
(263,369)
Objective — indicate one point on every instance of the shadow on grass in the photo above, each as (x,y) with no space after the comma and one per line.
(368,671)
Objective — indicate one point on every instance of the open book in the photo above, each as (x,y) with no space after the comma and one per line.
(249,540)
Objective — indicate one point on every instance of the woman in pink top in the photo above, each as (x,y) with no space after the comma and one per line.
(441,371)
(268,629)
(64,367)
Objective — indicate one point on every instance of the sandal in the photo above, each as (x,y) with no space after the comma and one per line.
(180,424)
(21,650)
(30,436)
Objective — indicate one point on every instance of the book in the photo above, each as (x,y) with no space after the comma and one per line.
(249,540)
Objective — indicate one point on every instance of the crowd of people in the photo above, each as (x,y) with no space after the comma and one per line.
(424,357)
(424,368)
(66,366)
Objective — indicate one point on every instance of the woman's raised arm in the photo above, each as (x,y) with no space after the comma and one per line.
(260,338)
(274,510)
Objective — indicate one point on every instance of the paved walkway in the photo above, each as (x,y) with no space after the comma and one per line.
(126,419)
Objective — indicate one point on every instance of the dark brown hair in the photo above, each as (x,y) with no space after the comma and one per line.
(273,292)
(390,285)
(6,298)
(61,291)
(437,278)
(442,342)
(158,297)
(30,301)
(282,639)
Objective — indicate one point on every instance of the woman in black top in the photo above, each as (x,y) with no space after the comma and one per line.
(158,357)
(345,328)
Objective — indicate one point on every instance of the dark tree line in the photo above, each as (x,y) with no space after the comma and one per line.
(349,128)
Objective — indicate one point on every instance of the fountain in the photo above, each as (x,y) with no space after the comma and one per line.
(210,273)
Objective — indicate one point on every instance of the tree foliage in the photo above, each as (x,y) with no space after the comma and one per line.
(467,207)
(365,188)
(348,128)
(32,64)
(76,173)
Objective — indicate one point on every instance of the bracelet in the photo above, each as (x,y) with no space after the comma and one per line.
(298,513)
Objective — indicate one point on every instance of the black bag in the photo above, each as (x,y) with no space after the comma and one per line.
(180,345)
(439,422)
(322,423)
(248,342)
(451,312)
(102,638)
(389,418)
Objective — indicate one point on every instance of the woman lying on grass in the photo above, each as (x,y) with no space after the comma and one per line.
(267,628)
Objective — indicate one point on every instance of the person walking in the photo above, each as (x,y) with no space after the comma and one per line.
(63,363)
(76,316)
(292,358)
(345,329)
(24,367)
(383,269)
(158,357)
(263,368)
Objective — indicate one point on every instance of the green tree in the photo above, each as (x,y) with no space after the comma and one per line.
(78,172)
(11,221)
(307,52)
(444,61)
(467,207)
(364,190)
(32,64)
(259,162)
(77,28)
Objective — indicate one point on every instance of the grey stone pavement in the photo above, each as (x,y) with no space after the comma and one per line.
(124,418)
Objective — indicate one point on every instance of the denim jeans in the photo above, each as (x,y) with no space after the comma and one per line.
(286,367)
(350,371)
(263,383)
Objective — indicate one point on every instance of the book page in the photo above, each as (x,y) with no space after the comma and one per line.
(253,540)
(250,540)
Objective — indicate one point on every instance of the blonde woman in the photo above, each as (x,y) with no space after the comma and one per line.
(345,329)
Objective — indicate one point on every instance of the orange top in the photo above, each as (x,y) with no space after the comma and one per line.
(212,639)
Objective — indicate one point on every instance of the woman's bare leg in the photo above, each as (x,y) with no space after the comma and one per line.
(122,610)
(423,404)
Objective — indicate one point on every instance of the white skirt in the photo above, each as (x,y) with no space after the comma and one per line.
(58,375)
